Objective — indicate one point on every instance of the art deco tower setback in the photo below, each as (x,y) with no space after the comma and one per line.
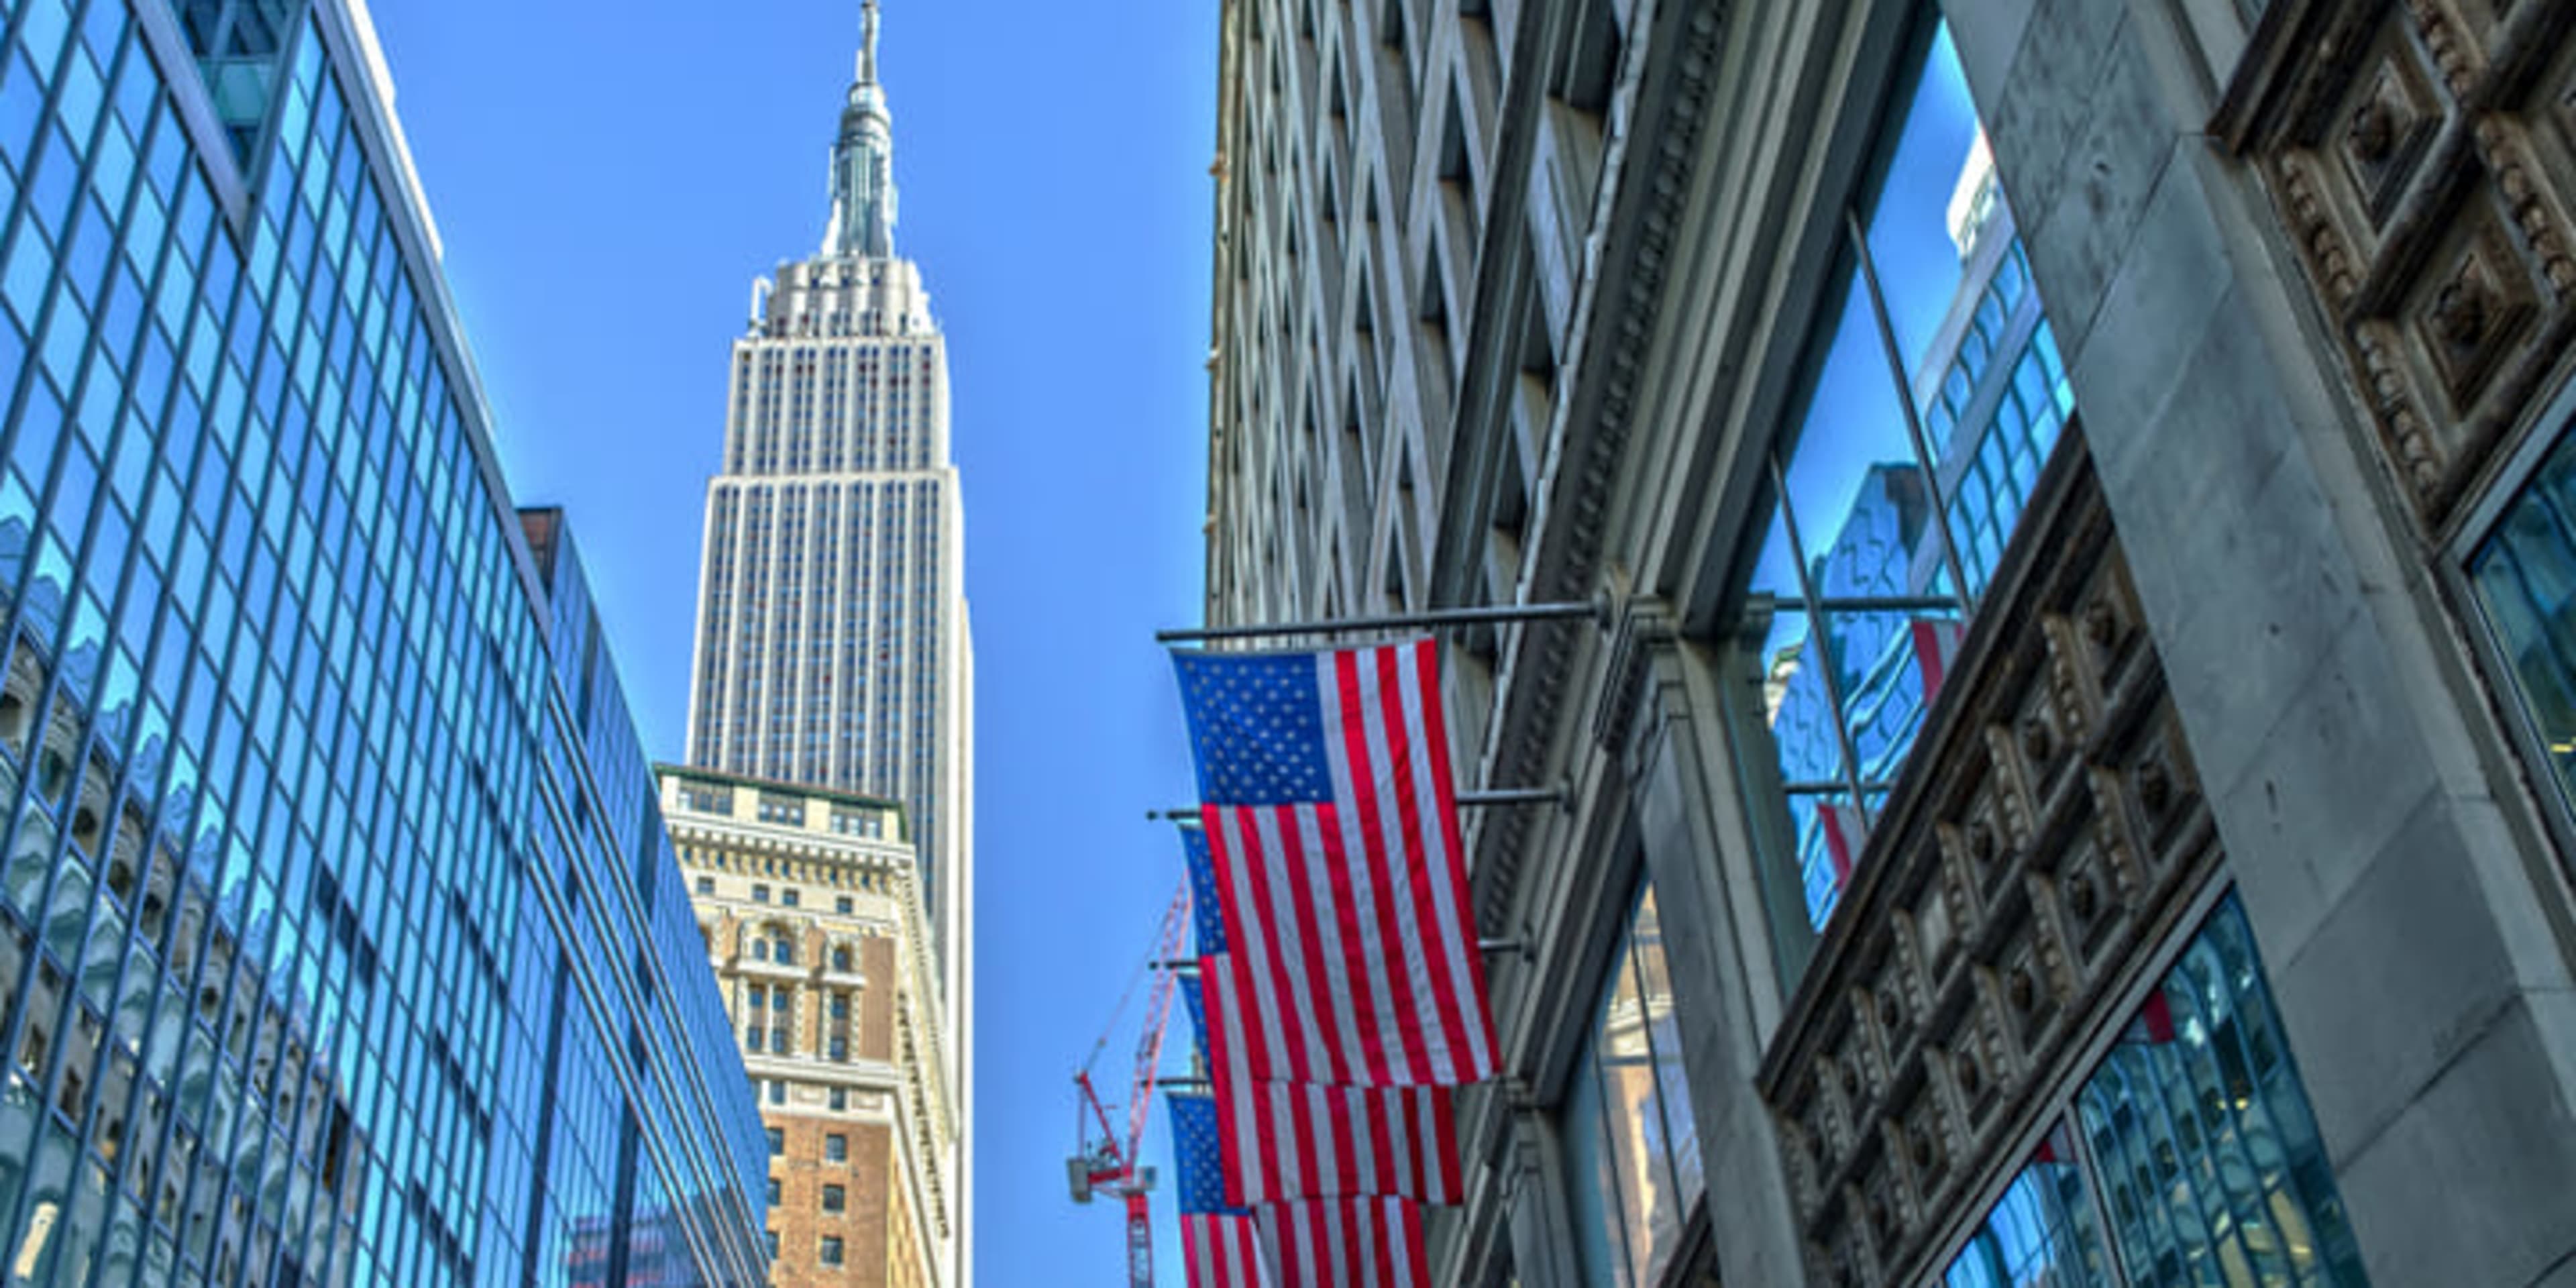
(832,643)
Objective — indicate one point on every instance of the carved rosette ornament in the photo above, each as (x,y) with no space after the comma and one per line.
(2419,157)
(2048,830)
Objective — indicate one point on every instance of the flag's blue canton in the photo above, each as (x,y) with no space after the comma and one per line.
(1257,724)
(1205,911)
(1195,999)
(1194,1156)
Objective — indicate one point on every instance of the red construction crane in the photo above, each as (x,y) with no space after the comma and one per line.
(1103,1158)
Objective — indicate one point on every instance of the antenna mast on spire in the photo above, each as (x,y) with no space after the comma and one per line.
(868,46)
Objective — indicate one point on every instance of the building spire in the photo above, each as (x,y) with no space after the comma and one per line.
(868,50)
(863,196)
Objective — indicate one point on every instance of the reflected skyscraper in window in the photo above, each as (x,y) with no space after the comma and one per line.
(340,937)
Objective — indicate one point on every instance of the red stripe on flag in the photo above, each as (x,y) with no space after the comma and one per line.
(1220,1251)
(1331,1060)
(1290,1141)
(1343,1243)
(1253,936)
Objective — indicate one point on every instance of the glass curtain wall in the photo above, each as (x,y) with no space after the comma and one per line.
(1628,1126)
(1936,393)
(2190,1158)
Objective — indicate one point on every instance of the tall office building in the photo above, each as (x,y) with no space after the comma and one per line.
(340,940)
(810,902)
(832,646)
(2077,784)
(832,641)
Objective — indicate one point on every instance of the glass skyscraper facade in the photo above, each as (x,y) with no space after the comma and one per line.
(340,937)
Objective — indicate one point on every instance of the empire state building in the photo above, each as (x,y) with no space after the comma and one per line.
(832,646)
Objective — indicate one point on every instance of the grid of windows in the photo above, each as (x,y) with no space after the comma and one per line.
(337,939)
(829,618)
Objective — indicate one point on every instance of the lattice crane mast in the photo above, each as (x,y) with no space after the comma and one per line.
(1104,1160)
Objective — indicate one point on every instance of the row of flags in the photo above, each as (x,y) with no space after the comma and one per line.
(1340,995)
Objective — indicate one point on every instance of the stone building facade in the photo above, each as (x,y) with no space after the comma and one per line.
(2072,777)
(810,906)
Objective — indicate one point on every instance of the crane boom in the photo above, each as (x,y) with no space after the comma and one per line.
(1112,1161)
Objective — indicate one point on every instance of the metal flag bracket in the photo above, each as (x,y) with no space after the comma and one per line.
(1599,609)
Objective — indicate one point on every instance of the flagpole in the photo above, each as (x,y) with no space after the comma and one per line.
(1466,800)
(1188,967)
(1597,610)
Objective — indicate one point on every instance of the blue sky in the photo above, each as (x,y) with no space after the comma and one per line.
(609,178)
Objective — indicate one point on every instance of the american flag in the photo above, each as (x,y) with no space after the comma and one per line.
(1348,1243)
(1282,1141)
(1332,824)
(1220,1245)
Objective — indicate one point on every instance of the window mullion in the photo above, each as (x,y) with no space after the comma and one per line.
(2104,1232)
(1608,1127)
(1654,1052)
(1923,456)
(1821,632)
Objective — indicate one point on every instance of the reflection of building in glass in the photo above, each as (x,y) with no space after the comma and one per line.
(340,940)
(1990,394)
(809,904)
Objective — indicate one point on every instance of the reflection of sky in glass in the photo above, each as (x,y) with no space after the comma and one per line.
(1853,423)
(1604,1256)
(1908,224)
(1855,488)
(1655,985)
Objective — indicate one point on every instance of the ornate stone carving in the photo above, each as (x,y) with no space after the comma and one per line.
(2405,163)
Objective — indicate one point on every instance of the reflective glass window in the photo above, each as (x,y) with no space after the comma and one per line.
(1932,395)
(2044,1230)
(2208,1155)
(1630,1136)
(2525,574)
